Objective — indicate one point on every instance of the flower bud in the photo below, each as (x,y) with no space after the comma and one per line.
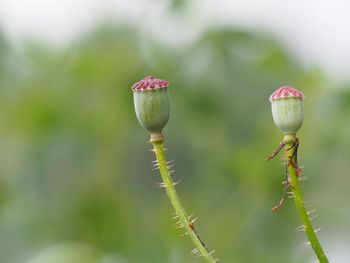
(151,101)
(287,109)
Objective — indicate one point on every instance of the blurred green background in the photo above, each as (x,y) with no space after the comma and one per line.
(76,183)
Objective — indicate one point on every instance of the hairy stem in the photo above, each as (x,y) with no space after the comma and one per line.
(294,173)
(184,221)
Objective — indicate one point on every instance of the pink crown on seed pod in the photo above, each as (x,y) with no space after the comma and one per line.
(286,92)
(150,83)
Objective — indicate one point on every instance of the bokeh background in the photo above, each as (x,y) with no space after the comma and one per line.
(76,184)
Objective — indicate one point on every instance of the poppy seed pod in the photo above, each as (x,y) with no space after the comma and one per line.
(151,101)
(287,109)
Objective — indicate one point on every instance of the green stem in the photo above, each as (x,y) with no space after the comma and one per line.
(169,185)
(291,154)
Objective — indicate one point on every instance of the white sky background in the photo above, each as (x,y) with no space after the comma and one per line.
(316,31)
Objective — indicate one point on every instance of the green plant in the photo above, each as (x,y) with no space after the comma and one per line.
(288,115)
(152,110)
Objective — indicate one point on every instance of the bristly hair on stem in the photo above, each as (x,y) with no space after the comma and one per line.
(294,174)
(184,221)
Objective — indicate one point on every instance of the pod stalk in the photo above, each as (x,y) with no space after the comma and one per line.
(185,221)
(291,153)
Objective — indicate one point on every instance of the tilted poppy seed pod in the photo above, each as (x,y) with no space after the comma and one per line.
(151,101)
(287,109)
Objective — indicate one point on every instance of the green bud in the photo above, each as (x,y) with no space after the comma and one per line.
(151,101)
(287,109)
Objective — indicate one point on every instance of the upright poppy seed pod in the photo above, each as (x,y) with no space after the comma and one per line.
(288,115)
(287,109)
(151,101)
